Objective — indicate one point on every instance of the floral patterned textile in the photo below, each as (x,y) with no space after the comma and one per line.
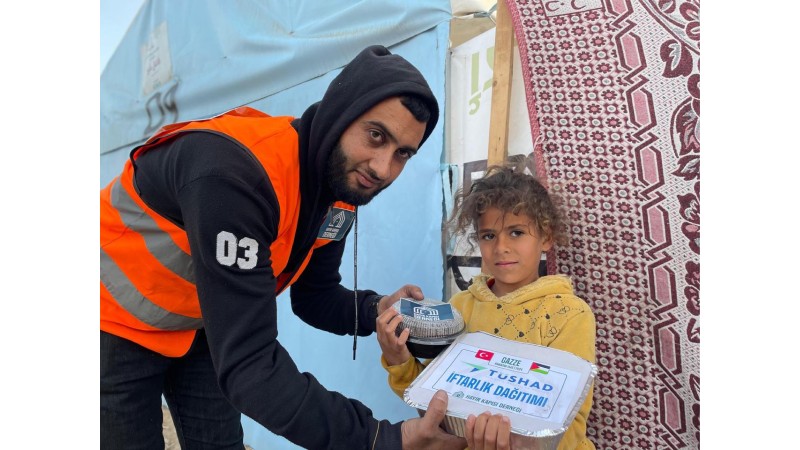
(613,93)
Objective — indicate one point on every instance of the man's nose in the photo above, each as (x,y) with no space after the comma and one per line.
(381,164)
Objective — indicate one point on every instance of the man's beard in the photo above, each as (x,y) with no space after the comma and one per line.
(336,174)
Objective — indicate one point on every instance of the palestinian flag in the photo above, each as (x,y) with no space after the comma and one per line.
(540,368)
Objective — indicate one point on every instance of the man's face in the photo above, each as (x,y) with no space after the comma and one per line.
(372,151)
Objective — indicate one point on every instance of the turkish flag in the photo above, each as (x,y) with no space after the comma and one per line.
(483,354)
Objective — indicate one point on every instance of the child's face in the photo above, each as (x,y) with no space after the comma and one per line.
(510,249)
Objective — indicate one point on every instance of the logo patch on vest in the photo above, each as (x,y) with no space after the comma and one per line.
(336,224)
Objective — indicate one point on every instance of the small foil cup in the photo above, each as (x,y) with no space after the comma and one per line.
(433,325)
(540,389)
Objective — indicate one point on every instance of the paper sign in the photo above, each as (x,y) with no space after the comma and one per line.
(156,62)
(506,382)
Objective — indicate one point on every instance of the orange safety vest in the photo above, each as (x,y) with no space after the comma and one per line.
(147,288)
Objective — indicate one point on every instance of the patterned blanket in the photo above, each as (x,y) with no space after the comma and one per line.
(613,94)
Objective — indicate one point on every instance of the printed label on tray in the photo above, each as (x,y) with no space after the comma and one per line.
(430,313)
(507,382)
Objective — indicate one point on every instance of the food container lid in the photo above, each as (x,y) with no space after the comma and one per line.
(431,322)
(539,388)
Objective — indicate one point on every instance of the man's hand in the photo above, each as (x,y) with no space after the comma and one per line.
(393,346)
(488,432)
(407,291)
(425,433)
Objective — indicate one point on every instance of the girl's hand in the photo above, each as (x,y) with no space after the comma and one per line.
(488,432)
(393,346)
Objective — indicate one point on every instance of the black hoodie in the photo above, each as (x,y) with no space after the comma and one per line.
(206,183)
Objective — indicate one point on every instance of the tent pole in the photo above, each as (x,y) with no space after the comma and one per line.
(501,86)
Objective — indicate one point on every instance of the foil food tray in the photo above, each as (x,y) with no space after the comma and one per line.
(539,388)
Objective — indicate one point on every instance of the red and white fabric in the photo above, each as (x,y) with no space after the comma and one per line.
(613,93)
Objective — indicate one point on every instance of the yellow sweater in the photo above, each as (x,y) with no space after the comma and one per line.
(545,312)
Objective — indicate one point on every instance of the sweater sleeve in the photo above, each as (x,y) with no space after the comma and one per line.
(402,375)
(223,202)
(577,336)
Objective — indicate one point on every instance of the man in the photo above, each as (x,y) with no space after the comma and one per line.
(209,221)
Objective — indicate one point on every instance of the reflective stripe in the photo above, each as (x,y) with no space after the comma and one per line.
(158,243)
(126,294)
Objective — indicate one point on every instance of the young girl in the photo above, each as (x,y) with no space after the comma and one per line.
(515,221)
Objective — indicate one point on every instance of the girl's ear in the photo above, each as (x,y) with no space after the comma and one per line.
(548,243)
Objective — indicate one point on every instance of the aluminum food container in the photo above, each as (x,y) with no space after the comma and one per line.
(433,325)
(539,388)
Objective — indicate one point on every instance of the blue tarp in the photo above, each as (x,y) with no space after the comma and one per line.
(220,55)
(280,59)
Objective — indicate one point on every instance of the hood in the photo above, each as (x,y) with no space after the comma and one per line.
(542,287)
(374,75)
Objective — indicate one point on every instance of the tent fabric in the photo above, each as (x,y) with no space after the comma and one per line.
(613,90)
(188,60)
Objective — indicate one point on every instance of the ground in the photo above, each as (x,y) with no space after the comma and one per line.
(170,438)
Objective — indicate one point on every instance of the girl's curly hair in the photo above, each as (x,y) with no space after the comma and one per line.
(509,191)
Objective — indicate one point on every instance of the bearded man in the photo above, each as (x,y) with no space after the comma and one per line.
(208,222)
